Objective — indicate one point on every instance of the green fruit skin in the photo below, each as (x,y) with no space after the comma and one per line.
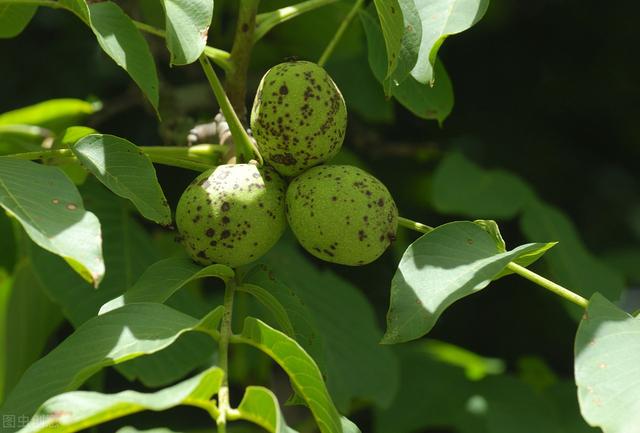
(341,214)
(232,214)
(299,117)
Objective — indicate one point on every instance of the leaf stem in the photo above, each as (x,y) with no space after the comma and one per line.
(414,225)
(548,284)
(223,354)
(268,20)
(343,27)
(515,268)
(245,148)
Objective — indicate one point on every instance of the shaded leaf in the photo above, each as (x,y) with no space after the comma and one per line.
(14,18)
(29,320)
(341,331)
(571,264)
(463,188)
(126,171)
(50,209)
(440,19)
(78,410)
(187,26)
(260,406)
(607,367)
(299,366)
(110,339)
(453,261)
(427,102)
(162,279)
(392,25)
(272,304)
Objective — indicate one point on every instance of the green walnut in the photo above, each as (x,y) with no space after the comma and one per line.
(232,214)
(299,117)
(341,214)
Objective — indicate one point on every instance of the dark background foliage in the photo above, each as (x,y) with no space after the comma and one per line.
(548,90)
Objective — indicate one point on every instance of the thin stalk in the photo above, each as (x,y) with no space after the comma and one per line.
(343,27)
(548,284)
(199,150)
(40,154)
(268,20)
(514,267)
(236,78)
(224,406)
(244,146)
(414,225)
(34,131)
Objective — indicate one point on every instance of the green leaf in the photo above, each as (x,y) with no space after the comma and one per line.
(110,339)
(29,319)
(440,19)
(14,18)
(463,188)
(272,304)
(187,26)
(607,367)
(260,406)
(427,102)
(335,323)
(571,264)
(50,209)
(453,261)
(164,278)
(392,25)
(123,168)
(409,44)
(78,410)
(54,114)
(122,41)
(476,367)
(299,366)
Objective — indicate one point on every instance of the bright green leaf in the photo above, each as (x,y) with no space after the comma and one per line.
(299,366)
(440,19)
(50,209)
(54,114)
(164,278)
(187,26)
(113,338)
(78,410)
(427,102)
(260,406)
(453,261)
(14,18)
(461,187)
(607,367)
(125,170)
(476,367)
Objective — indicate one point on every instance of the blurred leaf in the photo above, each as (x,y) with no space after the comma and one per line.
(187,26)
(122,41)
(427,102)
(607,367)
(29,318)
(272,304)
(392,25)
(476,367)
(113,338)
(6,283)
(123,168)
(299,366)
(260,406)
(163,278)
(78,410)
(54,114)
(453,261)
(51,211)
(571,264)
(14,18)
(347,335)
(536,373)
(440,19)
(463,188)
(626,260)
(129,429)
(8,251)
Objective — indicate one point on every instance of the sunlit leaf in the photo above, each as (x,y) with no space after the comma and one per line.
(260,406)
(14,18)
(187,26)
